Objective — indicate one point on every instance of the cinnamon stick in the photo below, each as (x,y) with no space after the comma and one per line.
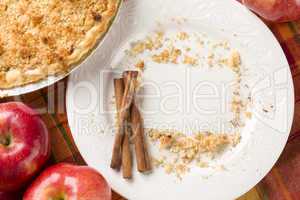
(126,156)
(142,156)
(123,114)
(126,151)
(119,91)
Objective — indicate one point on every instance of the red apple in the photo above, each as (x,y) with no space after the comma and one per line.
(24,145)
(275,10)
(9,196)
(69,182)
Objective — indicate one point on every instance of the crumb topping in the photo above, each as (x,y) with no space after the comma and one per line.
(182,36)
(140,65)
(189,148)
(48,36)
(190,60)
(234,60)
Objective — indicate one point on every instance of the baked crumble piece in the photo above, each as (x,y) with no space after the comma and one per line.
(183,36)
(189,148)
(234,60)
(190,60)
(140,65)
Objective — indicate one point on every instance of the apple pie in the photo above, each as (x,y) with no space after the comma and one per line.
(39,38)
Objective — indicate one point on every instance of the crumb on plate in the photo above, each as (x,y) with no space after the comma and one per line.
(140,65)
(183,36)
(190,60)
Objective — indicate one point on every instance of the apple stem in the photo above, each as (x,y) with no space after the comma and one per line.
(60,198)
(5,140)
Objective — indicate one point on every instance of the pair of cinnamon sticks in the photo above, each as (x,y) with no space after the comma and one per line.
(129,125)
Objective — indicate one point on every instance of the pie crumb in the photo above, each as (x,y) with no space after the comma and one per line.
(248,115)
(183,36)
(234,59)
(202,164)
(140,65)
(190,60)
(163,57)
(168,167)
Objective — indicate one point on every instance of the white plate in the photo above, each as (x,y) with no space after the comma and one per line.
(91,113)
